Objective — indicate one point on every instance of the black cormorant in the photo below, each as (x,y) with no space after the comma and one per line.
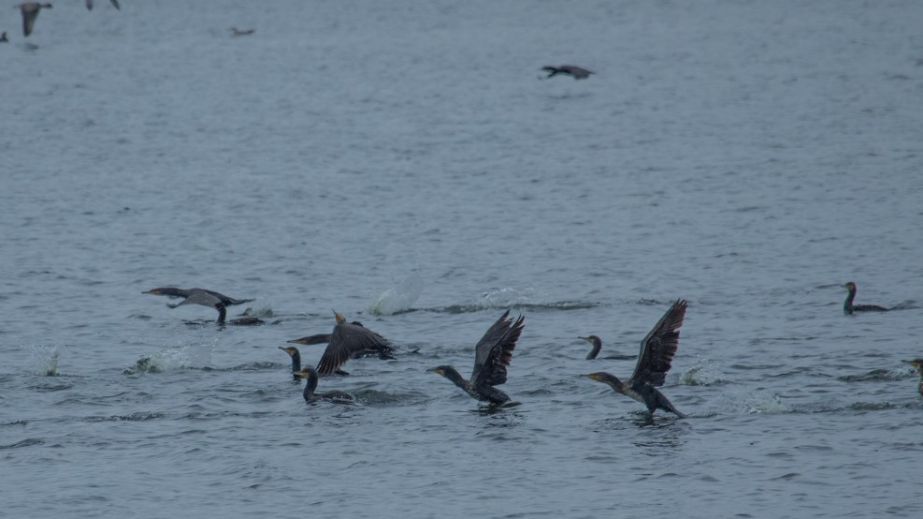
(654,360)
(296,359)
(115,3)
(235,32)
(492,356)
(310,375)
(348,341)
(3,38)
(918,365)
(29,11)
(849,308)
(567,70)
(201,296)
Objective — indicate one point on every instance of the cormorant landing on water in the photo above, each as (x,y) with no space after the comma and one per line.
(567,70)
(310,375)
(492,356)
(849,308)
(657,350)
(201,296)
(348,341)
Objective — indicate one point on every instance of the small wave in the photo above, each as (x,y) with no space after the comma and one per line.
(871,406)
(262,312)
(172,358)
(133,417)
(523,307)
(374,397)
(878,375)
(399,298)
(28,442)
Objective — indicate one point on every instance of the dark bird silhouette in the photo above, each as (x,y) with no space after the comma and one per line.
(348,341)
(654,360)
(3,38)
(30,12)
(115,3)
(492,355)
(235,32)
(567,70)
(310,395)
(597,344)
(210,298)
(849,308)
(918,365)
(296,359)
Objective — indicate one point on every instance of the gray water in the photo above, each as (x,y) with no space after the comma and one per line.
(402,163)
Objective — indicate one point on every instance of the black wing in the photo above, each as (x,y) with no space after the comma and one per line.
(658,348)
(29,13)
(494,351)
(115,3)
(348,341)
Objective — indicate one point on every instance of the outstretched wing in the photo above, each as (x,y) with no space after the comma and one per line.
(658,348)
(29,13)
(494,351)
(348,341)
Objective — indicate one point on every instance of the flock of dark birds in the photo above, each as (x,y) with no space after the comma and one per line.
(492,353)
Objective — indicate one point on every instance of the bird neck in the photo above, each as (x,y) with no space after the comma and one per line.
(222,313)
(597,345)
(616,384)
(847,306)
(296,361)
(457,379)
(309,386)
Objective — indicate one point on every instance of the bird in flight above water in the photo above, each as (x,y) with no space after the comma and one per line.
(347,341)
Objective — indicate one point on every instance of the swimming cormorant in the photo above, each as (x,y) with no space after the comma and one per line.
(348,341)
(567,70)
(492,356)
(918,365)
(654,360)
(597,345)
(849,308)
(310,395)
(29,11)
(296,359)
(201,296)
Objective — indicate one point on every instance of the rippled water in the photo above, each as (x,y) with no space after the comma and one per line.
(402,163)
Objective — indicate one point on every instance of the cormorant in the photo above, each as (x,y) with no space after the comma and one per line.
(657,350)
(567,70)
(29,12)
(201,296)
(348,341)
(492,355)
(310,375)
(296,359)
(3,38)
(849,308)
(918,365)
(115,3)
(235,32)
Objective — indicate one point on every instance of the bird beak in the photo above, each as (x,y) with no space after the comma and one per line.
(284,349)
(587,339)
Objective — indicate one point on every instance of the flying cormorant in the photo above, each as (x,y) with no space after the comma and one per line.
(201,296)
(492,355)
(654,360)
(348,341)
(567,70)
(30,12)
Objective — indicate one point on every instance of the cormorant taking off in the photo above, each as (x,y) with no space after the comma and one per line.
(29,12)
(918,365)
(657,350)
(492,356)
(201,296)
(567,70)
(348,341)
(849,308)
(310,396)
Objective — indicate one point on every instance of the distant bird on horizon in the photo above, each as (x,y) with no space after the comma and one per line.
(235,32)
(29,11)
(654,361)
(492,355)
(115,3)
(348,341)
(849,308)
(201,296)
(567,70)
(3,38)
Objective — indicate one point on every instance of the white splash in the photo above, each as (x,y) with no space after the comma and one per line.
(45,359)
(398,298)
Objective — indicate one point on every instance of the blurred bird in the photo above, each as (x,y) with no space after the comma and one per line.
(115,3)
(567,70)
(849,308)
(241,32)
(29,11)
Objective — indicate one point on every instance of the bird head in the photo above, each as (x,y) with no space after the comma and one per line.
(606,378)
(291,350)
(850,286)
(917,364)
(339,317)
(592,339)
(440,370)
